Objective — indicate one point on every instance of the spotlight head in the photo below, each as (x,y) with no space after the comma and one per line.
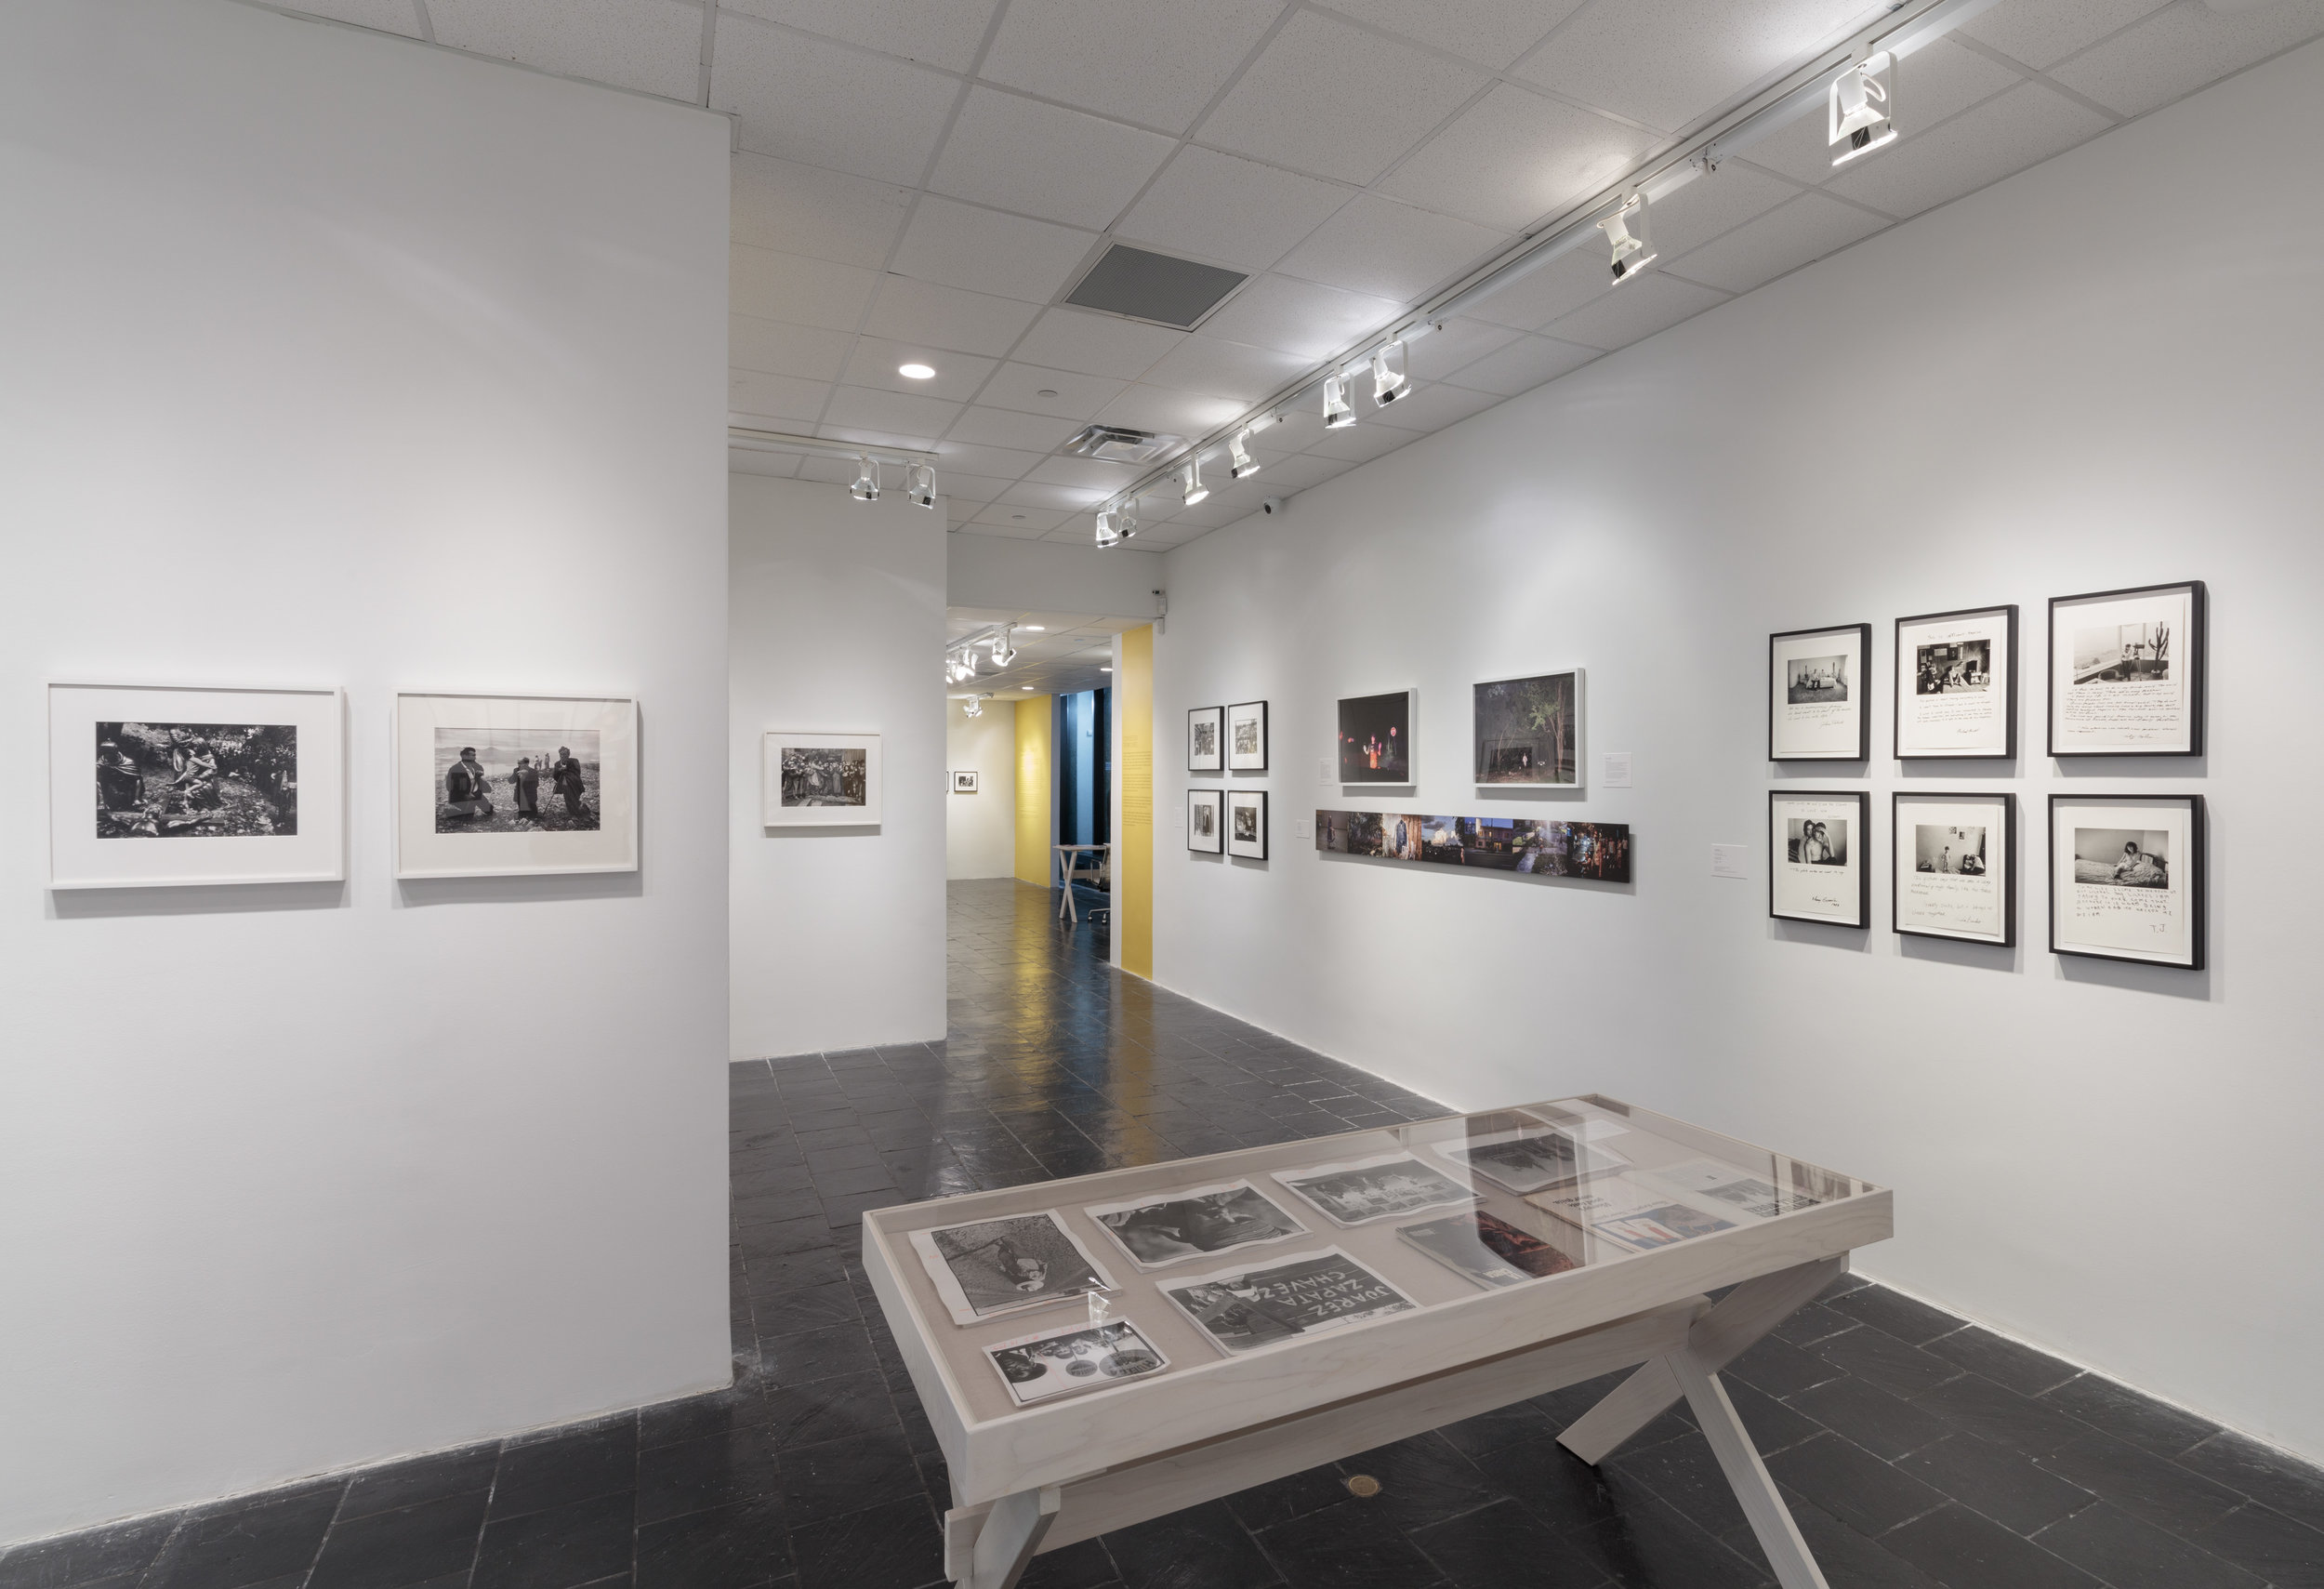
(1238,457)
(1338,416)
(972,707)
(1003,653)
(866,486)
(1860,106)
(1108,535)
(1196,490)
(920,484)
(1626,230)
(1389,379)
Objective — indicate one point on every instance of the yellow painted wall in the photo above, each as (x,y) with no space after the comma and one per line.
(1134,847)
(1033,790)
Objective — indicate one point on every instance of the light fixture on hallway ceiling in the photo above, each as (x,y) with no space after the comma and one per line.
(1861,119)
(919,484)
(1338,416)
(916,372)
(1195,489)
(1238,456)
(1024,686)
(1389,379)
(866,486)
(973,705)
(1626,230)
(1108,536)
(1003,653)
(1032,628)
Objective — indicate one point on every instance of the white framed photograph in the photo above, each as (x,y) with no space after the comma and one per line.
(2126,672)
(1206,739)
(822,780)
(1374,738)
(1815,864)
(1816,706)
(1005,1265)
(1246,738)
(1206,822)
(1066,1358)
(1957,684)
(1956,867)
(1246,824)
(507,785)
(1527,732)
(166,786)
(2126,878)
(964,782)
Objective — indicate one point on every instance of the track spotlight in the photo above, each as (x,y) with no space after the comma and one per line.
(1626,230)
(1108,535)
(919,484)
(1195,489)
(1238,456)
(1003,653)
(972,707)
(1389,379)
(866,486)
(1338,416)
(1126,521)
(1860,104)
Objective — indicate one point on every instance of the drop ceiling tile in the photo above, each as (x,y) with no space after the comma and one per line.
(907,310)
(652,46)
(776,348)
(1523,365)
(824,104)
(1293,475)
(1654,302)
(995,463)
(1667,62)
(1933,84)
(895,413)
(875,362)
(1215,511)
(982,250)
(1709,206)
(1808,228)
(1084,475)
(793,288)
(2005,134)
(1388,249)
(1360,443)
(774,466)
(1219,368)
(1185,414)
(1158,62)
(1431,407)
(1491,33)
(832,472)
(943,36)
(1297,430)
(386,16)
(977,527)
(1042,160)
(1461,342)
(1074,397)
(1332,99)
(2180,49)
(1224,209)
(2042,32)
(1299,317)
(1558,287)
(982,426)
(977,488)
(1018,520)
(825,215)
(1095,344)
(1037,494)
(1514,157)
(878,441)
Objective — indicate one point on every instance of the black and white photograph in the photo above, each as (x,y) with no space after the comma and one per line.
(2126,672)
(1002,1265)
(1246,824)
(1816,869)
(1755,1195)
(1206,739)
(514,780)
(1488,1249)
(164,785)
(1074,1358)
(1374,738)
(1816,706)
(1199,1223)
(825,780)
(1246,738)
(2126,878)
(1281,1299)
(1817,841)
(823,774)
(1630,1214)
(1206,822)
(1364,1189)
(1957,684)
(1529,730)
(1530,1159)
(964,783)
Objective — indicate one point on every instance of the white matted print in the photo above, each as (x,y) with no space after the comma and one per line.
(1205,734)
(1246,824)
(1206,822)
(1956,867)
(2126,672)
(1815,862)
(964,782)
(1815,704)
(2126,878)
(1527,731)
(821,780)
(1957,684)
(169,787)
(501,786)
(1246,738)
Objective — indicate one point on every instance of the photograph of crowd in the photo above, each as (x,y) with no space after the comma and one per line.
(517,780)
(823,774)
(1525,730)
(175,780)
(1598,851)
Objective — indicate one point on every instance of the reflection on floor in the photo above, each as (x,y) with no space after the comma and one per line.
(1917,1450)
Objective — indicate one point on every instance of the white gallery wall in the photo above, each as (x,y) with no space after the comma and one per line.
(2075,380)
(335,360)
(980,829)
(838,626)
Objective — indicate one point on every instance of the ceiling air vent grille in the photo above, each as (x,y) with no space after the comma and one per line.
(1116,444)
(1154,287)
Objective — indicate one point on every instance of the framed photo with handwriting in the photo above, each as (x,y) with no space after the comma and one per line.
(1816,844)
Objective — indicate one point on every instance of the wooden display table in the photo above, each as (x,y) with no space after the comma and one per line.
(1235,1369)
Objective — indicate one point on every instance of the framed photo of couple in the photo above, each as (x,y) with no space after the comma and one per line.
(1817,841)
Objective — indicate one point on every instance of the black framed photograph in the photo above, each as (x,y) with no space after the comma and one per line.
(1957,684)
(1206,739)
(1956,866)
(1816,856)
(964,782)
(2126,878)
(1206,822)
(1246,824)
(1527,732)
(1376,738)
(1246,738)
(1816,706)
(2126,672)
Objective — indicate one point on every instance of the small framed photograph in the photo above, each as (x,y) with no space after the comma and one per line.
(1815,866)
(1376,738)
(1206,822)
(1246,738)
(2126,878)
(1072,1357)
(1527,732)
(508,785)
(1815,695)
(1957,684)
(964,783)
(1246,824)
(162,785)
(1956,866)
(821,780)
(1206,739)
(2126,672)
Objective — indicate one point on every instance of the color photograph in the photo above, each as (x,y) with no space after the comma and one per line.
(1529,730)
(1376,738)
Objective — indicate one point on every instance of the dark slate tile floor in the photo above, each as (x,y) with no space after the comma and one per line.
(1916,1450)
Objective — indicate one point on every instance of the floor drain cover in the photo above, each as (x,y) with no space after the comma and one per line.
(1365,1485)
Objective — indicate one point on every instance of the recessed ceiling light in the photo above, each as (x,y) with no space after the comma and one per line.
(1024,686)
(916,372)
(1046,392)
(1034,628)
